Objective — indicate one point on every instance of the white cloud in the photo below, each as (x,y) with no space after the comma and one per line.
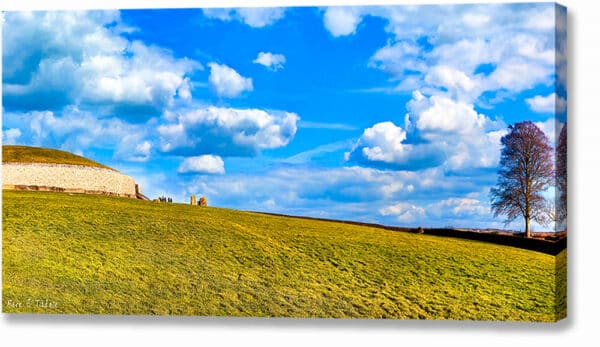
(10,136)
(466,55)
(561,46)
(542,20)
(551,127)
(149,77)
(342,21)
(141,152)
(269,60)
(547,104)
(459,85)
(227,82)
(383,146)
(438,131)
(224,14)
(404,212)
(534,48)
(204,164)
(383,142)
(519,74)
(55,59)
(227,131)
(398,58)
(460,207)
(143,148)
(475,20)
(463,37)
(133,147)
(441,114)
(467,138)
(256,17)
(77,131)
(519,62)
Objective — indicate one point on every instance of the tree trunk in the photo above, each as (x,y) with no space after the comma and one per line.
(527,232)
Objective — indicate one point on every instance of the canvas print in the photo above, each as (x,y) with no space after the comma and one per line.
(389,162)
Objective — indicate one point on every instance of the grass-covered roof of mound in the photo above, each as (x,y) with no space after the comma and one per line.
(26,154)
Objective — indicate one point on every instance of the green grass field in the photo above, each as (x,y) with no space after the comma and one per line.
(94,254)
(25,154)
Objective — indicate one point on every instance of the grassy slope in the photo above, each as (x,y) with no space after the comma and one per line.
(25,154)
(96,254)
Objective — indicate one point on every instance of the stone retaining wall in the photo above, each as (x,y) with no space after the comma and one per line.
(66,178)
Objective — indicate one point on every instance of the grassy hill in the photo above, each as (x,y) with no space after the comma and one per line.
(97,254)
(25,154)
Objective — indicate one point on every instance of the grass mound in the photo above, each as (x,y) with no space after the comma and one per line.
(26,154)
(97,254)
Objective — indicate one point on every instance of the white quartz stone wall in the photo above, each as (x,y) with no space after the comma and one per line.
(67,177)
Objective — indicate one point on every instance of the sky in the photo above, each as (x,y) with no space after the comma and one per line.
(384,114)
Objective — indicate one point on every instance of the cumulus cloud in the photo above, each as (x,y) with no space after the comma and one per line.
(255,17)
(519,74)
(438,131)
(342,21)
(383,146)
(443,46)
(452,58)
(203,164)
(133,147)
(56,59)
(79,131)
(386,142)
(441,114)
(467,138)
(460,207)
(457,83)
(399,58)
(551,103)
(143,149)
(269,60)
(10,136)
(404,212)
(148,81)
(227,131)
(227,82)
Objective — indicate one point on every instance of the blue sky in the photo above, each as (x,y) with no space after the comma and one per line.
(379,114)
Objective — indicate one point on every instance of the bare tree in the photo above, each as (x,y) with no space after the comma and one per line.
(561,176)
(526,171)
